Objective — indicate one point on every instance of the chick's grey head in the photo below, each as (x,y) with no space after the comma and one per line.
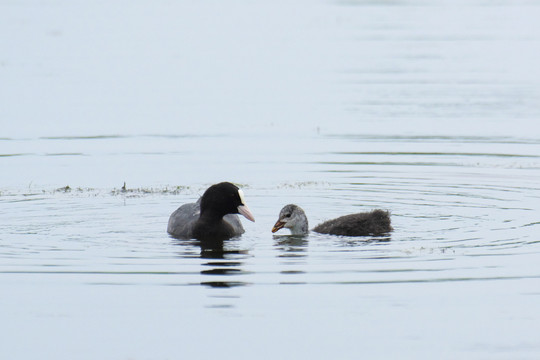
(293,218)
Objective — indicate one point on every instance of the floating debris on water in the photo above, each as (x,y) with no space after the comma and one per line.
(302,184)
(82,191)
(64,189)
(143,191)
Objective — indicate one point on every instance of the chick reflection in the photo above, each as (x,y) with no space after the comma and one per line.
(291,245)
(217,251)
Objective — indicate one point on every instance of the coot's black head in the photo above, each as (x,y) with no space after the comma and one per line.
(222,199)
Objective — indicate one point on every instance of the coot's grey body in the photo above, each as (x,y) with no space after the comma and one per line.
(182,221)
(376,222)
(212,216)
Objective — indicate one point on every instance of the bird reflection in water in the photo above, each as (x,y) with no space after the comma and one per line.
(225,261)
(291,245)
(293,252)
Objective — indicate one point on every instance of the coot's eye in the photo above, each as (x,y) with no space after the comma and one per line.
(287,215)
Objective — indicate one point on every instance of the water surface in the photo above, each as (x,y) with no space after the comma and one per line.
(425,109)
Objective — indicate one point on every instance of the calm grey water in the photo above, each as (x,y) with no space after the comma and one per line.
(427,109)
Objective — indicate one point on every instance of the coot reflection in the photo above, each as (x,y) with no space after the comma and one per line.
(222,262)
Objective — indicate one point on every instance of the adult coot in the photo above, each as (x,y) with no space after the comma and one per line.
(376,222)
(210,218)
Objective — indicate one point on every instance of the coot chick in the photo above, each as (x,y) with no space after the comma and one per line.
(376,222)
(211,217)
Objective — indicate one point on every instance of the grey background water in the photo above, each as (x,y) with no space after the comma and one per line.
(427,109)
